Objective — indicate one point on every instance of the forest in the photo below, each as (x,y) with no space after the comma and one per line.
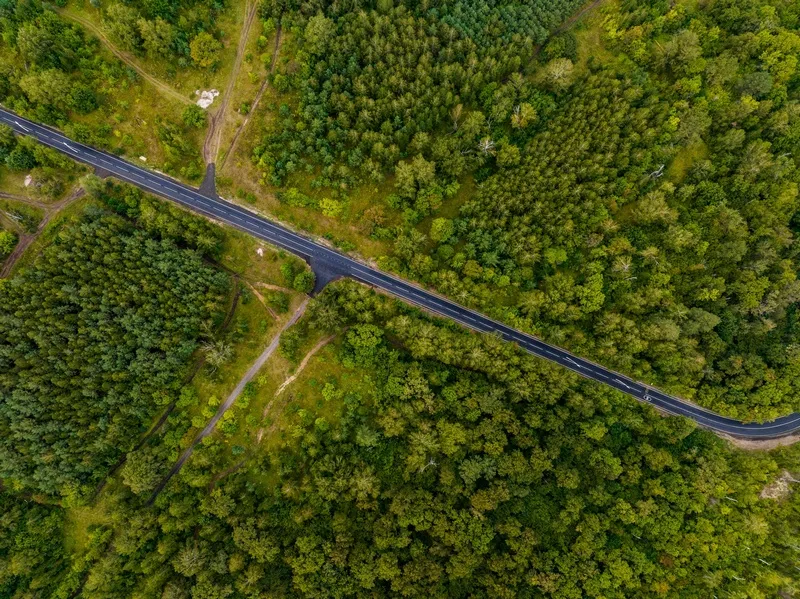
(106,320)
(379,85)
(459,467)
(626,187)
(638,205)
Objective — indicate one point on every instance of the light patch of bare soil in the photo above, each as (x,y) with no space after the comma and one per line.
(780,488)
(761,445)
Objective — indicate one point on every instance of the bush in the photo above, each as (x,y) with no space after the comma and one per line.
(289,344)
(194,116)
(304,282)
(7,242)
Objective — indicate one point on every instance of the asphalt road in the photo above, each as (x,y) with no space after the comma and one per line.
(330,261)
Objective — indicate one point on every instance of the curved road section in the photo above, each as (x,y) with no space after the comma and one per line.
(332,261)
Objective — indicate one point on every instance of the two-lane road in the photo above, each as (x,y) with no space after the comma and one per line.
(334,261)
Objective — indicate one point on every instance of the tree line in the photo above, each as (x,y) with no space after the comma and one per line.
(378,86)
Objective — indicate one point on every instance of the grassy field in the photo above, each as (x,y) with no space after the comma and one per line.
(13,182)
(251,330)
(588,31)
(136,108)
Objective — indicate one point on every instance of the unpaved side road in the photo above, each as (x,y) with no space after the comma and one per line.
(26,239)
(217,120)
(248,376)
(128,59)
(260,93)
(290,380)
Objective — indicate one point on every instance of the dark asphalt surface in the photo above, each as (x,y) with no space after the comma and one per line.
(334,263)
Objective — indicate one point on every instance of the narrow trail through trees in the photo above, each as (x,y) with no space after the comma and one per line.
(127,58)
(260,93)
(322,343)
(26,239)
(217,120)
(198,364)
(248,376)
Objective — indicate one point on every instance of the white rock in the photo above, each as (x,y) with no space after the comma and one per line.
(260,252)
(207,98)
(28,180)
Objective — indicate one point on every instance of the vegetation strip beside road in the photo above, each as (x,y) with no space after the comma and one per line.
(217,120)
(260,93)
(338,264)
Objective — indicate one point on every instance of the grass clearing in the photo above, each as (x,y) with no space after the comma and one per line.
(13,182)
(242,257)
(134,111)
(79,519)
(588,31)
(316,396)
(213,388)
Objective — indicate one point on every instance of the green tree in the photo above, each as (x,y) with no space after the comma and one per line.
(318,33)
(205,50)
(194,116)
(51,86)
(157,36)
(123,22)
(442,229)
(7,242)
(304,281)
(142,471)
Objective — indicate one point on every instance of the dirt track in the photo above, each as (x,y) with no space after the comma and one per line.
(248,376)
(217,120)
(26,239)
(127,58)
(260,93)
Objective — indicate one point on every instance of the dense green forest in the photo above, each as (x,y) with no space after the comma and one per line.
(32,554)
(638,206)
(463,468)
(382,84)
(673,256)
(93,339)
